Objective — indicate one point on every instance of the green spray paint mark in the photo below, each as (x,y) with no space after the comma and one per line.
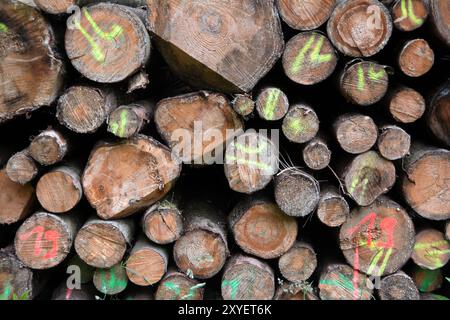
(97,52)
(361,79)
(375,76)
(439,297)
(316,56)
(234,285)
(343,282)
(356,181)
(429,277)
(118,128)
(422,245)
(409,12)
(298,62)
(375,260)
(3,27)
(250,163)
(113,281)
(261,147)
(271,104)
(175,288)
(6,292)
(296,125)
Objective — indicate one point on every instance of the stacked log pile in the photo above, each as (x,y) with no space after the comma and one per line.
(236,150)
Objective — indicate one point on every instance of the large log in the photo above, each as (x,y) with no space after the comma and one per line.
(247,278)
(16,201)
(203,249)
(44,240)
(125,177)
(440,13)
(101,37)
(260,228)
(439,114)
(425,181)
(227,46)
(31,70)
(378,239)
(102,244)
(197,126)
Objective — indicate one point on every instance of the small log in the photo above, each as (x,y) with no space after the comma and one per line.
(427,280)
(260,228)
(147,263)
(309,58)
(296,192)
(360,28)
(406,105)
(295,291)
(17,280)
(21,168)
(62,292)
(432,250)
(83,109)
(178,286)
(368,176)
(299,263)
(162,223)
(125,177)
(247,278)
(440,12)
(305,15)
(333,210)
(393,142)
(301,124)
(101,37)
(272,104)
(44,240)
(55,6)
(251,160)
(203,249)
(416,58)
(341,282)
(16,200)
(409,15)
(398,286)
(31,71)
(102,244)
(197,126)
(243,104)
(379,239)
(59,190)
(364,83)
(355,133)
(248,34)
(49,147)
(138,81)
(111,281)
(316,154)
(126,121)
(425,182)
(438,118)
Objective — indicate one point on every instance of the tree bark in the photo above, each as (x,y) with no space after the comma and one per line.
(248,34)
(247,278)
(379,239)
(355,133)
(125,177)
(260,228)
(424,183)
(431,250)
(60,190)
(398,286)
(416,58)
(21,168)
(299,263)
(333,210)
(31,70)
(44,240)
(107,42)
(102,244)
(127,121)
(301,123)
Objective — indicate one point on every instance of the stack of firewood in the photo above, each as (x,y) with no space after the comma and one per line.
(224,149)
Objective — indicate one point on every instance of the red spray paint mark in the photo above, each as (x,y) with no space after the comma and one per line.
(68,293)
(49,235)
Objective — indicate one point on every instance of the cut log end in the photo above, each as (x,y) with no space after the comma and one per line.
(355,133)
(360,28)
(416,58)
(272,104)
(126,121)
(316,154)
(406,105)
(102,37)
(243,104)
(309,58)
(409,15)
(301,124)
(440,13)
(111,281)
(431,250)
(305,15)
(378,239)
(368,176)
(398,286)
(48,148)
(427,280)
(299,263)
(55,6)
(164,224)
(333,210)
(178,286)
(246,278)
(295,291)
(21,168)
(364,83)
(439,114)
(394,142)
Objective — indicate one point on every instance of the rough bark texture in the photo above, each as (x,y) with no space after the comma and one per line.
(228,46)
(31,71)
(124,177)
(379,239)
(398,286)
